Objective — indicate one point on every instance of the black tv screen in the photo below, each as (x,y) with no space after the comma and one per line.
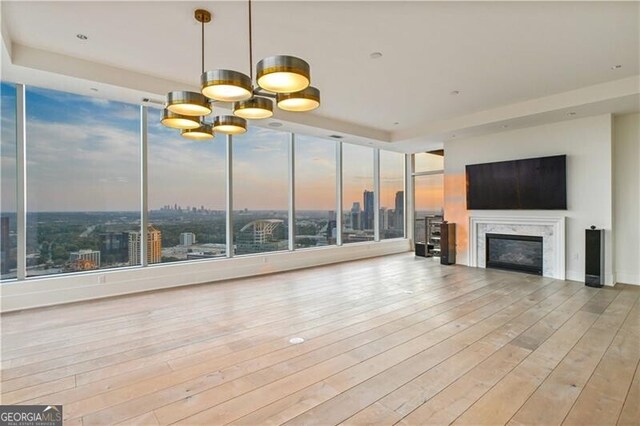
(530,184)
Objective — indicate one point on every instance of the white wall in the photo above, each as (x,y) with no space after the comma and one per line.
(626,197)
(587,144)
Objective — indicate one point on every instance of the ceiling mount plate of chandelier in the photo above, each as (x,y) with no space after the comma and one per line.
(284,78)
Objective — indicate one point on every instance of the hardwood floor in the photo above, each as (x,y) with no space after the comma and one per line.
(392,340)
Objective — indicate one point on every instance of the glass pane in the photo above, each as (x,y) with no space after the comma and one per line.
(357,193)
(391,195)
(315,192)
(83,183)
(429,199)
(8,145)
(425,162)
(187,202)
(260,191)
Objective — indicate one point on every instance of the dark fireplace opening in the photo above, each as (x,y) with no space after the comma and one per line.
(514,252)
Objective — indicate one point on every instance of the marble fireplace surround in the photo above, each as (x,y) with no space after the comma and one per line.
(551,229)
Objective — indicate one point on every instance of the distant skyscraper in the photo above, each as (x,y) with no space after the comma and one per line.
(154,246)
(369,210)
(399,216)
(384,218)
(356,216)
(187,239)
(5,245)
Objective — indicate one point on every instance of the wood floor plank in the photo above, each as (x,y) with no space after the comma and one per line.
(605,393)
(503,400)
(551,402)
(369,361)
(390,340)
(235,365)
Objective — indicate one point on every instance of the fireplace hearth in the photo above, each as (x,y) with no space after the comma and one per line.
(521,253)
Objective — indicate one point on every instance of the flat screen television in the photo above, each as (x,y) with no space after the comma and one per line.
(529,184)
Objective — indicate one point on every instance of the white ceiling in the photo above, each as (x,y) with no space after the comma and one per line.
(495,53)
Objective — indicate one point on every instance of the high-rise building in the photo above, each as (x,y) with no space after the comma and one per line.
(356,216)
(5,245)
(384,218)
(83,260)
(369,210)
(399,216)
(187,238)
(154,246)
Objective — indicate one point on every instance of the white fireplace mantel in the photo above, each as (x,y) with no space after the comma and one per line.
(553,235)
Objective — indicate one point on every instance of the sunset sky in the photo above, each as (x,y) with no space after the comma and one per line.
(83,155)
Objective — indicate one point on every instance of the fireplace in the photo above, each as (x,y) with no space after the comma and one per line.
(514,252)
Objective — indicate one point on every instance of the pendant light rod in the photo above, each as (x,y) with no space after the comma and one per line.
(250,44)
(203,16)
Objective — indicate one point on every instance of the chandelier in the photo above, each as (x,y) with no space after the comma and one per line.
(285,79)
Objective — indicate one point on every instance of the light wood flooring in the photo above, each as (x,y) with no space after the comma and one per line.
(391,340)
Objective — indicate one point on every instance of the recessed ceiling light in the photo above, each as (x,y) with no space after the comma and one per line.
(375,55)
(453,136)
(571,113)
(455,92)
(336,136)
(296,340)
(82,36)
(275,124)
(93,89)
(396,123)
(505,126)
(616,67)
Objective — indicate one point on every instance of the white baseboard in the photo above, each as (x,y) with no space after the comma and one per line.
(55,290)
(627,278)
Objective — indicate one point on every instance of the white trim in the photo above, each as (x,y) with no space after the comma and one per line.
(229,196)
(21,181)
(144,193)
(292,192)
(376,195)
(338,193)
(54,290)
(558,224)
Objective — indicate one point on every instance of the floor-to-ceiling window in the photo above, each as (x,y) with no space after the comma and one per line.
(260,191)
(358,204)
(428,192)
(83,182)
(391,195)
(8,201)
(186,195)
(315,191)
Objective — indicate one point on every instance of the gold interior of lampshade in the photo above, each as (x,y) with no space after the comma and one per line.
(202,133)
(283,74)
(226,85)
(178,121)
(188,103)
(302,101)
(229,125)
(254,108)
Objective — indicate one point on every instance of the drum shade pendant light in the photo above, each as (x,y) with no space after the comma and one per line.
(202,133)
(177,121)
(302,101)
(284,78)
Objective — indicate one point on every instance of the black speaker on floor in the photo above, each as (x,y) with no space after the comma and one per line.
(421,249)
(447,243)
(594,257)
